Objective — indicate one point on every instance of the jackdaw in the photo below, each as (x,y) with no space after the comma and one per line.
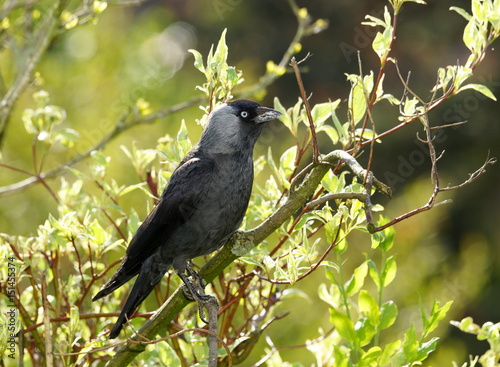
(201,207)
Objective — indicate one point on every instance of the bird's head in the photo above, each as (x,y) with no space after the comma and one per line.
(235,125)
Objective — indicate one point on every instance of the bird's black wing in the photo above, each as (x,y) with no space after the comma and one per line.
(186,189)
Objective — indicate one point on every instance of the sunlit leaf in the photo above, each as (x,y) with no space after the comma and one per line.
(411,344)
(371,357)
(425,349)
(320,113)
(67,137)
(368,307)
(388,353)
(357,280)
(436,315)
(330,131)
(388,314)
(287,160)
(365,330)
(374,274)
(479,88)
(389,272)
(285,117)
(382,42)
(462,12)
(330,181)
(343,325)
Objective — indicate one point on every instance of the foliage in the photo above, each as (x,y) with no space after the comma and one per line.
(62,264)
(489,332)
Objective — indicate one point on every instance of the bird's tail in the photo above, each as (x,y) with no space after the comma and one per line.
(123,274)
(149,276)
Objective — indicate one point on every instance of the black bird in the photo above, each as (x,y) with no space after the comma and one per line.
(201,207)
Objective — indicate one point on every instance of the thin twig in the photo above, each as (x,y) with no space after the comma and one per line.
(313,268)
(40,45)
(49,352)
(295,66)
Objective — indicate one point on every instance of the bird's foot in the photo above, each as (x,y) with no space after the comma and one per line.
(195,291)
(198,281)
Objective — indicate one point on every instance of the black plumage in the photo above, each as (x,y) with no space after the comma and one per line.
(201,207)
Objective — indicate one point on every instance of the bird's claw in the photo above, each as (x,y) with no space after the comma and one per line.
(195,291)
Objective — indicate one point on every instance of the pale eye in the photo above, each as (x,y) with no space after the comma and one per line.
(244,114)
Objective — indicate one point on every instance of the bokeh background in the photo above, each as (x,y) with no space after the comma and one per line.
(97,71)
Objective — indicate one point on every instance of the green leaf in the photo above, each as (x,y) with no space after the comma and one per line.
(368,307)
(251,261)
(470,35)
(388,352)
(341,184)
(285,117)
(183,143)
(371,357)
(388,314)
(287,160)
(74,318)
(274,168)
(411,344)
(467,325)
(462,12)
(338,126)
(99,6)
(27,118)
(330,181)
(368,134)
(125,190)
(232,76)
(479,88)
(410,106)
(382,43)
(167,355)
(364,331)
(320,113)
(373,21)
(389,272)
(67,137)
(385,238)
(333,297)
(330,131)
(306,218)
(437,314)
(357,280)
(296,118)
(291,267)
(343,325)
(426,349)
(357,99)
(478,10)
(221,51)
(374,274)
(133,222)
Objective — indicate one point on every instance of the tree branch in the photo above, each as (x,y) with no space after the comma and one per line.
(23,78)
(239,244)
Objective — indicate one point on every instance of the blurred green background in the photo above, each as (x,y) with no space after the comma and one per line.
(95,72)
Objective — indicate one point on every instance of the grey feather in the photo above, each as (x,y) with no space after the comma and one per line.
(201,207)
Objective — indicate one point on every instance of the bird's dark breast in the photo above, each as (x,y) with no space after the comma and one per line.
(220,212)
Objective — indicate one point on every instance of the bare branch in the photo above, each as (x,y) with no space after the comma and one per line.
(295,65)
(40,45)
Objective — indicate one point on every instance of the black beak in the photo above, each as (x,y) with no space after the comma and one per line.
(265,114)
